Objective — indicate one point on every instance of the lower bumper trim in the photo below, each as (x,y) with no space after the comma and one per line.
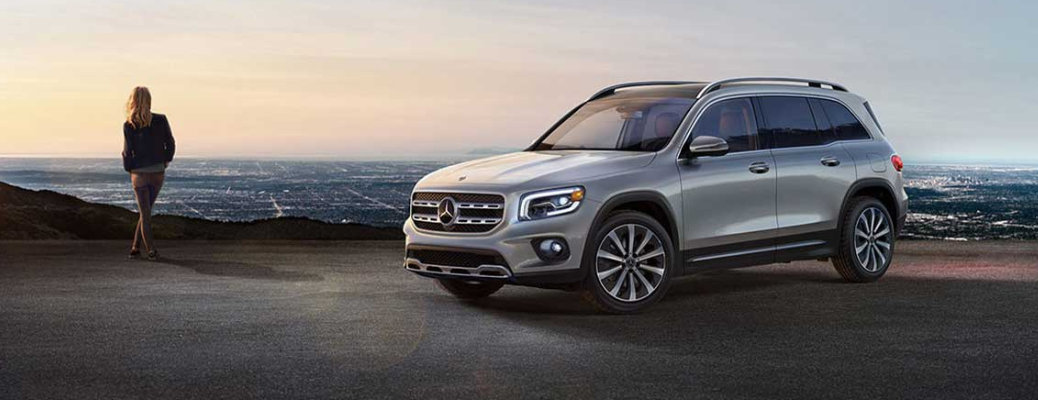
(483,271)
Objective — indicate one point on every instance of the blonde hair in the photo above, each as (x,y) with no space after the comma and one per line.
(138,108)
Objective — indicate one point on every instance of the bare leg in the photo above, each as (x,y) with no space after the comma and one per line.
(154,186)
(137,236)
(153,194)
(143,195)
(135,181)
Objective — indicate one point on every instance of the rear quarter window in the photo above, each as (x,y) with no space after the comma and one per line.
(845,124)
(873,116)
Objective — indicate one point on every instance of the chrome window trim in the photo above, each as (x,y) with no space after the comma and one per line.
(817,146)
(695,119)
(821,96)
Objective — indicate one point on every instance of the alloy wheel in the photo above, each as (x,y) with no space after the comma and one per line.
(631,262)
(872,236)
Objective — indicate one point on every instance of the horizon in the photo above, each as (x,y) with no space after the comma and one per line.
(458,158)
(949,201)
(405,79)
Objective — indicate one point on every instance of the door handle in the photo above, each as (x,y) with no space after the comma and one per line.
(830,161)
(759,167)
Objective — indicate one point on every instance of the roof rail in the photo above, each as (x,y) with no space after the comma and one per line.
(810,82)
(612,89)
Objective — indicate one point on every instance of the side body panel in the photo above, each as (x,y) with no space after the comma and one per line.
(729,209)
(873,163)
(810,196)
(810,193)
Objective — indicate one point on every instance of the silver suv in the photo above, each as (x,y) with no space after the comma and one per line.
(645,182)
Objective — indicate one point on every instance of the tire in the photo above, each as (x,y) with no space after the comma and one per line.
(469,289)
(610,278)
(866,242)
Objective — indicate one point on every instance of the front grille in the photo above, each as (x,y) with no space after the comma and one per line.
(449,258)
(475,212)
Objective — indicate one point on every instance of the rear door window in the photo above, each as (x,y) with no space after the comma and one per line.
(844,122)
(790,122)
(825,128)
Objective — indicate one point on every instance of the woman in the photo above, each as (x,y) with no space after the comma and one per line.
(148,148)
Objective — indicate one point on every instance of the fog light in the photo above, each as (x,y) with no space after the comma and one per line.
(551,250)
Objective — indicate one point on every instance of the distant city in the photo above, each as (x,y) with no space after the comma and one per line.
(948,202)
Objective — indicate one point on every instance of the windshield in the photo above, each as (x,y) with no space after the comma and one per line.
(633,124)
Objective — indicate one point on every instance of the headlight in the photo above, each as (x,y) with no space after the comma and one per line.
(550,203)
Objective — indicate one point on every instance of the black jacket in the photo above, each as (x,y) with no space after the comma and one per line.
(149,145)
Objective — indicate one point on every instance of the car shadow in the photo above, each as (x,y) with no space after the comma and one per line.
(240,270)
(762,303)
(682,290)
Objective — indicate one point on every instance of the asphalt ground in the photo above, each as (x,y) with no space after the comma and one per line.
(344,320)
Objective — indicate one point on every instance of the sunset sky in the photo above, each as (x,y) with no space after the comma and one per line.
(950,80)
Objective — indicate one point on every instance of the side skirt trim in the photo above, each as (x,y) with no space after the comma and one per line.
(787,246)
(717,256)
(799,244)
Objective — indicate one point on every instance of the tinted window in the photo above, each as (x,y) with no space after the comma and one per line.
(847,126)
(731,120)
(790,121)
(874,119)
(825,128)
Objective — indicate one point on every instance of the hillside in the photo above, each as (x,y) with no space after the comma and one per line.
(29,214)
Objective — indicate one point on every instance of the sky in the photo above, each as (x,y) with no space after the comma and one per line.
(951,81)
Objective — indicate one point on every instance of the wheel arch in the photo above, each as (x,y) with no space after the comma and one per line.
(872,187)
(651,203)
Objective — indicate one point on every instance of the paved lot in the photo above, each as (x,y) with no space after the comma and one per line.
(321,320)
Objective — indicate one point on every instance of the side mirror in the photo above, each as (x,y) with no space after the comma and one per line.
(708,146)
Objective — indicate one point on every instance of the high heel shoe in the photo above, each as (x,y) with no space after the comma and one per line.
(153,255)
(135,253)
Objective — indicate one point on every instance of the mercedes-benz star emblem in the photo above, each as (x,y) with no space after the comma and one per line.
(447,211)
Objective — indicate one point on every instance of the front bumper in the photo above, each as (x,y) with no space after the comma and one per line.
(511,242)
(461,263)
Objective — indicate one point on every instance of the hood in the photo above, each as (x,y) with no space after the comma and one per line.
(563,167)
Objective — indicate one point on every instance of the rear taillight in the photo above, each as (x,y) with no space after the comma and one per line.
(896,160)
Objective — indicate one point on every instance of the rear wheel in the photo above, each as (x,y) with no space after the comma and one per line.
(628,262)
(867,241)
(469,289)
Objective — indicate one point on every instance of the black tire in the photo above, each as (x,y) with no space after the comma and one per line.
(469,289)
(594,287)
(848,260)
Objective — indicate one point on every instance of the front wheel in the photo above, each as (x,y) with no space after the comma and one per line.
(867,241)
(629,262)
